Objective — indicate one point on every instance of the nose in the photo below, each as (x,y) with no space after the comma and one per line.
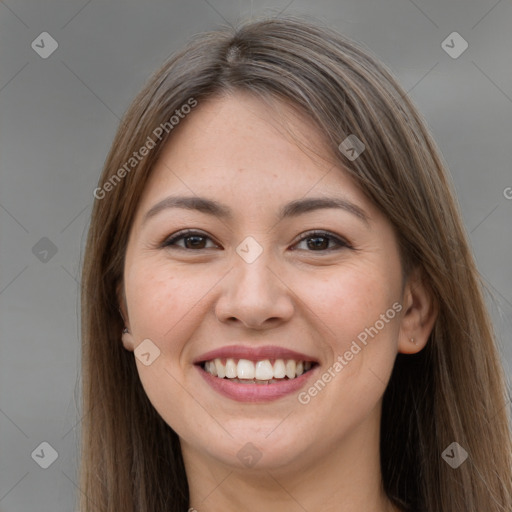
(254,295)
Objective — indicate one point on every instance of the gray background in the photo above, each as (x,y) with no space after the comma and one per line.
(58,118)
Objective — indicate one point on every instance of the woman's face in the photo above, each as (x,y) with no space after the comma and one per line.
(251,286)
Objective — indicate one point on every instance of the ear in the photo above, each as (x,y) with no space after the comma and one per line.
(126,335)
(420,313)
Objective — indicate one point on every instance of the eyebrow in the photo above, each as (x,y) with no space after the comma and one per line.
(291,209)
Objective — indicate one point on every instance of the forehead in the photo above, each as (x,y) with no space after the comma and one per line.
(242,129)
(247,150)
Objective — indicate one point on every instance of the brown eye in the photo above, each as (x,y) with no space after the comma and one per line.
(315,241)
(320,241)
(192,240)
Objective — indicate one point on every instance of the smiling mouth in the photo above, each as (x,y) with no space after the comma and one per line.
(265,371)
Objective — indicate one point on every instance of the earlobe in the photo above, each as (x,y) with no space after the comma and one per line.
(420,313)
(127,339)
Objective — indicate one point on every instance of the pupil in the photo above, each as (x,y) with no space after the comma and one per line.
(195,240)
(316,244)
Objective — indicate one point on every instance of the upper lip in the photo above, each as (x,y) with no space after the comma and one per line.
(253,354)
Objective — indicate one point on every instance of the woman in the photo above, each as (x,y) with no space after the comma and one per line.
(280,307)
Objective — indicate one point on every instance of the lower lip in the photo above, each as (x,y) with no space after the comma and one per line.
(256,392)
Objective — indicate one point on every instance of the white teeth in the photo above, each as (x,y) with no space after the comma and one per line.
(245,369)
(262,371)
(231,371)
(279,369)
(221,369)
(211,368)
(290,368)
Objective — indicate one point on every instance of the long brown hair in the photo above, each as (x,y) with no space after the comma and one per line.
(451,391)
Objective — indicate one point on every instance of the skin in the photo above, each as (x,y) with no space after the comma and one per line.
(319,456)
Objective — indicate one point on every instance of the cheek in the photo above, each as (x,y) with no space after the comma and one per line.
(346,302)
(354,312)
(163,300)
(165,305)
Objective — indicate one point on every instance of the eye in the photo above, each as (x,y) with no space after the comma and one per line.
(191,240)
(318,241)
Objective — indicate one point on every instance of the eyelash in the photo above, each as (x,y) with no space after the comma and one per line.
(169,242)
